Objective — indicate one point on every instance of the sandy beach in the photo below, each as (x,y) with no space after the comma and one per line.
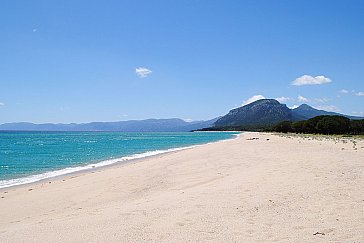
(272,189)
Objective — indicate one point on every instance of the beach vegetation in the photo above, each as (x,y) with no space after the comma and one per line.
(322,125)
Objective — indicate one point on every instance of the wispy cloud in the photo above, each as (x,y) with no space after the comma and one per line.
(328,108)
(321,100)
(343,91)
(310,80)
(252,99)
(2,104)
(358,113)
(360,94)
(283,99)
(143,72)
(293,107)
(300,98)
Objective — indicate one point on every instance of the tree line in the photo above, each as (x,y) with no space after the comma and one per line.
(322,125)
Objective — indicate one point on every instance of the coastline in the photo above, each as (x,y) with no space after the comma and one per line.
(275,188)
(87,168)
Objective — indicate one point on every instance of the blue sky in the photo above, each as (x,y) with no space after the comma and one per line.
(80,61)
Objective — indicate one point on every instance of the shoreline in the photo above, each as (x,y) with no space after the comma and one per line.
(88,168)
(269,189)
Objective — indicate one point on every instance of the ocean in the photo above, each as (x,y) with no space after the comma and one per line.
(27,157)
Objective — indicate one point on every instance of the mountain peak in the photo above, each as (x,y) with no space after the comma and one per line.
(304,107)
(304,112)
(267,112)
(260,112)
(264,101)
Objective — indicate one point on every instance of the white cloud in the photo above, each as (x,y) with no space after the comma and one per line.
(300,98)
(344,91)
(321,100)
(293,107)
(309,80)
(252,99)
(360,94)
(143,72)
(358,113)
(283,99)
(328,108)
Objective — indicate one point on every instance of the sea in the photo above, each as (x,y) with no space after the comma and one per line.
(27,157)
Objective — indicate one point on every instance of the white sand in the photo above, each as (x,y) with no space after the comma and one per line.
(277,190)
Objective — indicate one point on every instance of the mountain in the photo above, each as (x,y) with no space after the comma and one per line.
(307,112)
(149,125)
(269,112)
(259,113)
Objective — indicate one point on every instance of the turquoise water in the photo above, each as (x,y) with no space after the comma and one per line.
(30,156)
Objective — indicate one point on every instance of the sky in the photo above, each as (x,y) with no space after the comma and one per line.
(84,60)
